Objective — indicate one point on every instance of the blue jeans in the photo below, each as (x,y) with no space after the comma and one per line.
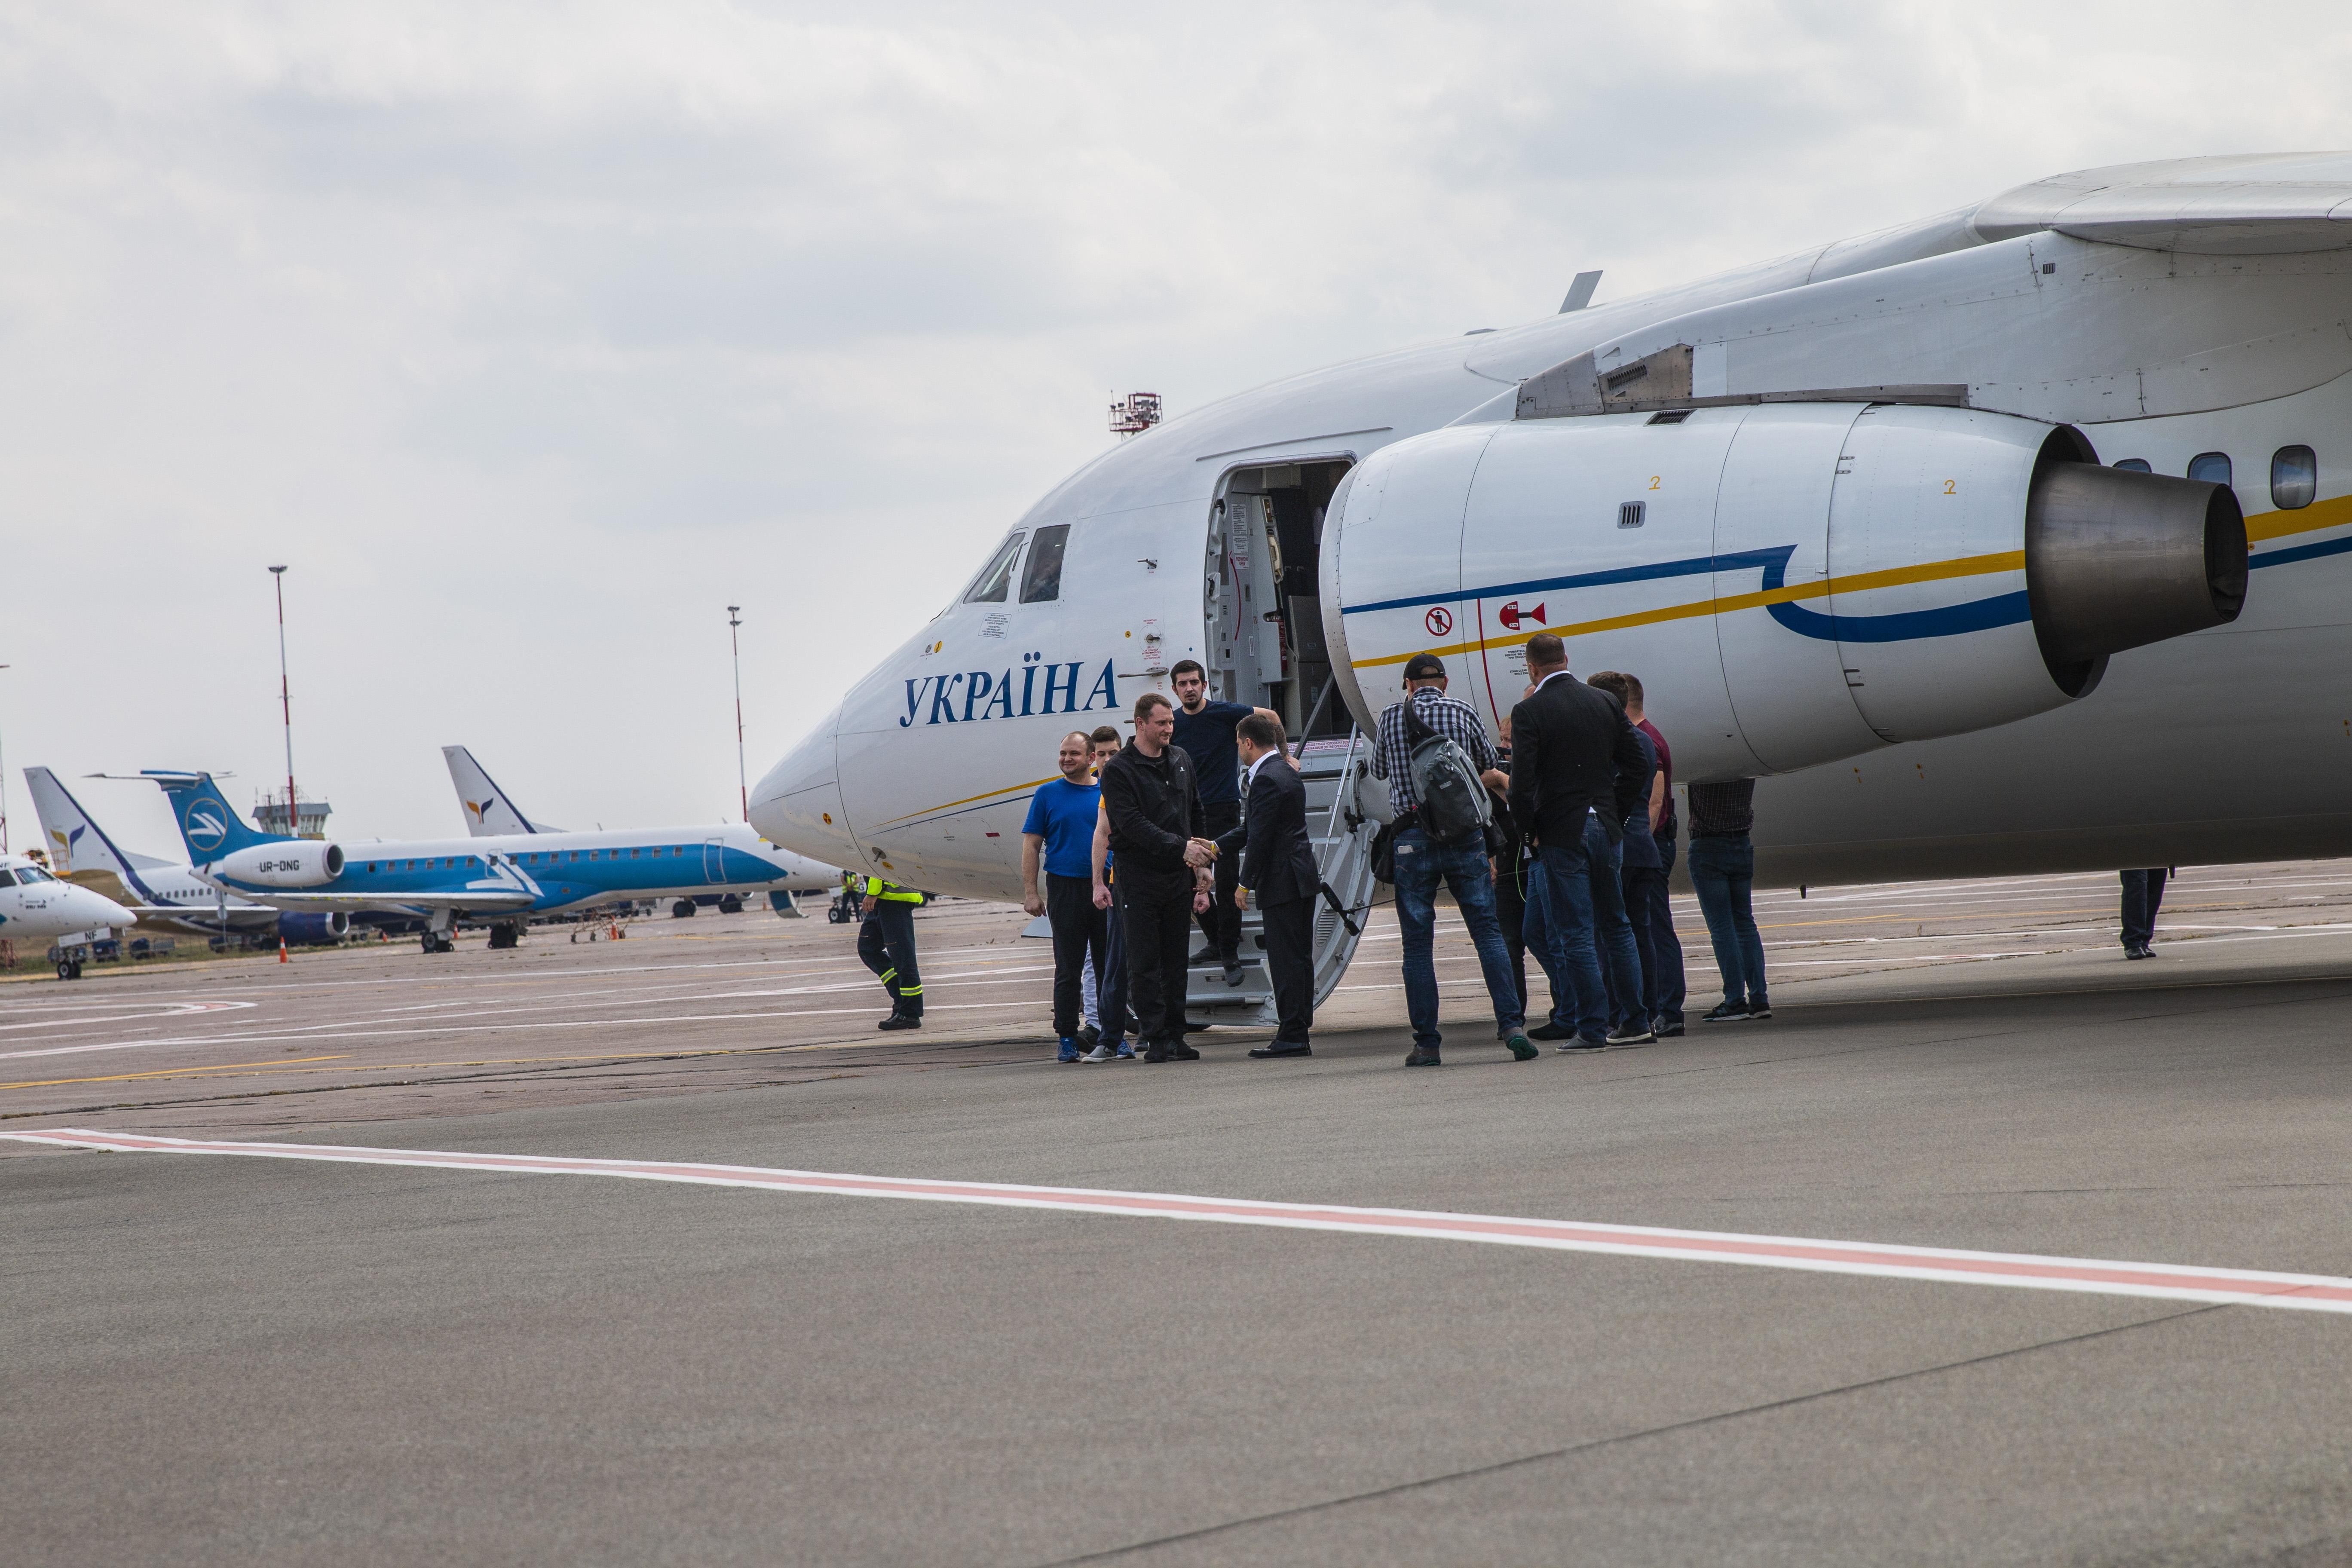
(1592,941)
(1421,866)
(1722,872)
(1535,928)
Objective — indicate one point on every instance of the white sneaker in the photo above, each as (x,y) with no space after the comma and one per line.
(1101,1053)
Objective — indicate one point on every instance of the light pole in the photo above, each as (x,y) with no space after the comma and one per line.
(285,704)
(4,793)
(735,646)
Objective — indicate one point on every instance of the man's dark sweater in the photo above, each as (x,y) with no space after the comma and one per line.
(1154,806)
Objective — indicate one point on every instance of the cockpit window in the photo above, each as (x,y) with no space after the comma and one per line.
(990,587)
(7,877)
(1042,578)
(2134,465)
(32,874)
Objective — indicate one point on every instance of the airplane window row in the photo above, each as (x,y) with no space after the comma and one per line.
(2294,474)
(537,857)
(1040,581)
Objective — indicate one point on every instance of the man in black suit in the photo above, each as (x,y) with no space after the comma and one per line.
(1577,771)
(1278,861)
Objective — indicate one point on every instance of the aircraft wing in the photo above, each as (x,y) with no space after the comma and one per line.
(502,898)
(2258,205)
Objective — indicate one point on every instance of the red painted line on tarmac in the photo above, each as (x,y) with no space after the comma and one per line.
(2312,1293)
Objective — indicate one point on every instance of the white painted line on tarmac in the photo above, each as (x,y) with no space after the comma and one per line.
(2240,1287)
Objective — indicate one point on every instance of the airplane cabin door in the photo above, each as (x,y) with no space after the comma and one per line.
(714,860)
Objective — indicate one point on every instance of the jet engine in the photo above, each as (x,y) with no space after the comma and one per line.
(1792,583)
(289,863)
(313,929)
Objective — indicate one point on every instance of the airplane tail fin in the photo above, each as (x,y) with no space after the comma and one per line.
(208,822)
(74,841)
(487,809)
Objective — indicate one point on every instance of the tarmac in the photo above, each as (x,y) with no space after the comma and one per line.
(1989,1247)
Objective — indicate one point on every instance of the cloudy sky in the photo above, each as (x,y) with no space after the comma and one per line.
(532,336)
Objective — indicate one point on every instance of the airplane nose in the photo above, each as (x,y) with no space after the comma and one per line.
(90,908)
(797,802)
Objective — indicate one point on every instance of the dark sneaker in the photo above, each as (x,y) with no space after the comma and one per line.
(1157,1053)
(1206,955)
(1551,1032)
(1632,1035)
(1423,1056)
(2140,949)
(1233,971)
(1667,1028)
(1725,1012)
(1182,1052)
(900,1021)
(1758,1007)
(1090,1036)
(1521,1050)
(1070,1052)
(1584,1042)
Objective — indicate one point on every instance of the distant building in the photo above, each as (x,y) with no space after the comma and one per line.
(269,816)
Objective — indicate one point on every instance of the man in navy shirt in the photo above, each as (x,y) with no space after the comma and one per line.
(1060,832)
(1205,730)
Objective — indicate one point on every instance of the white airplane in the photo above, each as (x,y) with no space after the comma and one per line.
(37,907)
(2015,539)
(162,891)
(491,813)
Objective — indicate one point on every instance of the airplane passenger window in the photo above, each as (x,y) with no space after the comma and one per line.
(2213,467)
(2294,476)
(2136,465)
(1042,579)
(990,587)
(632,852)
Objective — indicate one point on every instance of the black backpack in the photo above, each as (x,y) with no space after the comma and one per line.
(1455,808)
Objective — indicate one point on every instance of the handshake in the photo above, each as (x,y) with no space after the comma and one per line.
(1199,852)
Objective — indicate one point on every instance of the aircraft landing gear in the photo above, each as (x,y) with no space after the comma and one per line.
(682,910)
(729,904)
(439,942)
(69,969)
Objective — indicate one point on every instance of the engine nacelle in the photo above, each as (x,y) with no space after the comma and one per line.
(1792,583)
(289,863)
(303,930)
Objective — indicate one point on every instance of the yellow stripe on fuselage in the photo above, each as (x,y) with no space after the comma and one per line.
(950,805)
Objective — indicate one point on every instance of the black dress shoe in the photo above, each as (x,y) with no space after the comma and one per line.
(900,1021)
(1157,1053)
(2140,949)
(1551,1032)
(1206,955)
(1179,1051)
(1282,1048)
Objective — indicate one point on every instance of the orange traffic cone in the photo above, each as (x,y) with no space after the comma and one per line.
(282,950)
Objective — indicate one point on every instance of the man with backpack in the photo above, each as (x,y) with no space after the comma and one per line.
(1434,753)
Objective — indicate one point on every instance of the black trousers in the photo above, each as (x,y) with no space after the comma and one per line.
(885,944)
(1290,961)
(2143,896)
(1221,922)
(1080,932)
(1111,1011)
(1511,912)
(1159,920)
(1652,914)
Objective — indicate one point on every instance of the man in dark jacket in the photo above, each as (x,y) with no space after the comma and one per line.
(1158,833)
(1276,862)
(1577,770)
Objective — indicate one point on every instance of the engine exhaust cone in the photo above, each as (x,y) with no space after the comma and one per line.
(2117,560)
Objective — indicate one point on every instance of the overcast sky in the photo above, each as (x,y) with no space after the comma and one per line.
(531,337)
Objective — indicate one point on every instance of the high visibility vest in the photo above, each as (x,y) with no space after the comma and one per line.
(890,893)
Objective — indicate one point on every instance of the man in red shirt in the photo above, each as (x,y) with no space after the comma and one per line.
(1646,903)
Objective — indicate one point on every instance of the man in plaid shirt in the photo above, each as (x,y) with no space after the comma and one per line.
(1422,864)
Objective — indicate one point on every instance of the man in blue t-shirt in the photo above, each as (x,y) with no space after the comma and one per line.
(1060,833)
(1205,730)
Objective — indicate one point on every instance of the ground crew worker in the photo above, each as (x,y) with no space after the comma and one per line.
(885,944)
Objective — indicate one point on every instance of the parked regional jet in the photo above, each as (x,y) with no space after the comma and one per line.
(501,882)
(490,811)
(160,891)
(2014,538)
(37,907)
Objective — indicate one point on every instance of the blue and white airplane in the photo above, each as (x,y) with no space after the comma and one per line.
(157,889)
(500,881)
(491,813)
